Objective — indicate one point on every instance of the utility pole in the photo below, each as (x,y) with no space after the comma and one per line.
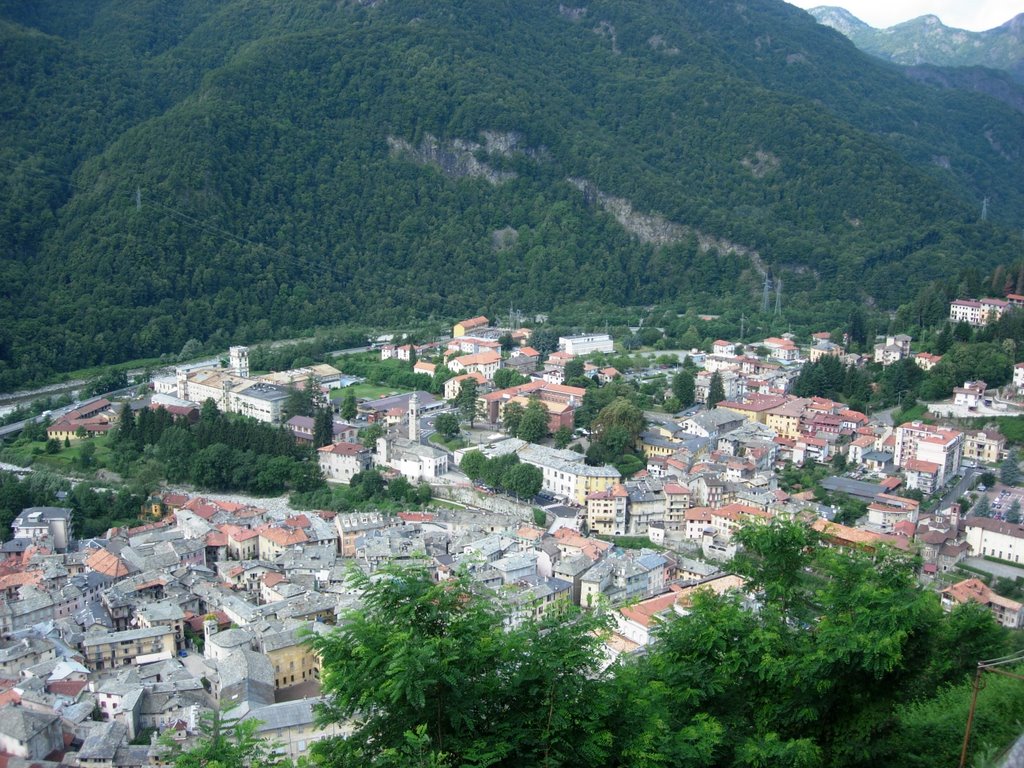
(987,666)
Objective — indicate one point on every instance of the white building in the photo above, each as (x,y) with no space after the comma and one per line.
(49,527)
(927,443)
(233,393)
(893,350)
(413,461)
(1018,378)
(987,536)
(975,311)
(564,473)
(970,395)
(586,343)
(485,363)
(340,461)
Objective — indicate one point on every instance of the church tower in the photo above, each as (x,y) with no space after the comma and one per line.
(414,418)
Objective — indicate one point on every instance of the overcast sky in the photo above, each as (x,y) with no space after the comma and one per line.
(976,15)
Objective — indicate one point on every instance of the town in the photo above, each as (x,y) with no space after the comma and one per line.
(515,471)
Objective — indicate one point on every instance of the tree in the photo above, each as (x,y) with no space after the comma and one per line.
(435,659)
(544,340)
(87,455)
(447,424)
(472,464)
(221,746)
(716,391)
(209,413)
(573,370)
(53,445)
(508,377)
(983,506)
(563,436)
(465,401)
(300,401)
(839,462)
(618,426)
(683,388)
(1009,470)
(533,427)
(773,557)
(371,434)
(512,417)
(126,425)
(323,427)
(401,489)
(507,342)
(349,407)
(524,481)
(1013,513)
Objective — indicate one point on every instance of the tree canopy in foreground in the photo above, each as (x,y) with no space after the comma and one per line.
(827,659)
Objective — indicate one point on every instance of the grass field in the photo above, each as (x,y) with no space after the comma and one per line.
(67,459)
(368,391)
(451,445)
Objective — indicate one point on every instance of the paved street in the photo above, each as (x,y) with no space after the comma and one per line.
(961,487)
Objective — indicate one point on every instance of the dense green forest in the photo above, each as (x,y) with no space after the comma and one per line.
(240,170)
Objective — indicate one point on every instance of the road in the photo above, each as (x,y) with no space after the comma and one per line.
(56,413)
(958,490)
(884,417)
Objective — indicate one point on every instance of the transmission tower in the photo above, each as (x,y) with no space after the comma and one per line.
(984,209)
(778,296)
(766,292)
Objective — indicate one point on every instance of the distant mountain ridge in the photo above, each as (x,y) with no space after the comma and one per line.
(926,40)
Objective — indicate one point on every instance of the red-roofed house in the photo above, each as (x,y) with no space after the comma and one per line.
(341,461)
(1008,612)
(484,363)
(635,622)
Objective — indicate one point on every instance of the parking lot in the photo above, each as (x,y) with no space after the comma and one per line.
(1003,498)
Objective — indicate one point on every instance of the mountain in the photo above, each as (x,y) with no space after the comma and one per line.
(238,170)
(926,40)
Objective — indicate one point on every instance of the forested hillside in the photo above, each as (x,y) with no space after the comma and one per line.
(236,170)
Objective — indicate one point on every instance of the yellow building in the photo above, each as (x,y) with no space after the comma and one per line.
(111,650)
(785,418)
(606,511)
(293,660)
(655,444)
(984,446)
(293,728)
(465,326)
(754,406)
